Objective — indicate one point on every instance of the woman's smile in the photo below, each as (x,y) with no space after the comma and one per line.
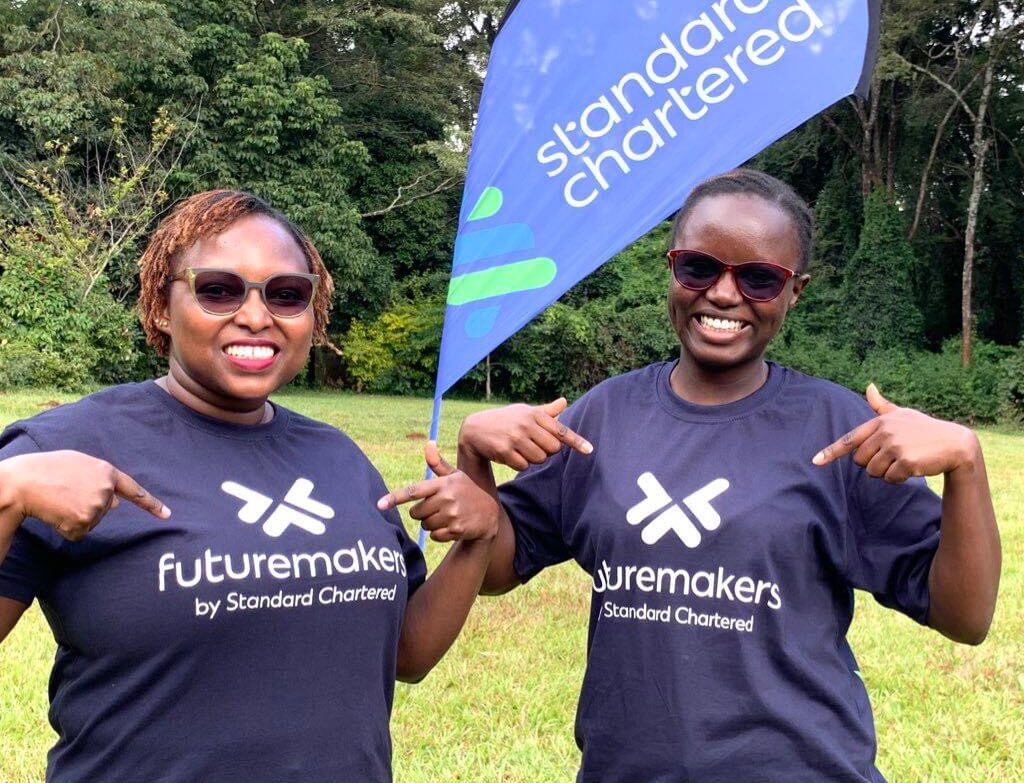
(252,356)
(719,329)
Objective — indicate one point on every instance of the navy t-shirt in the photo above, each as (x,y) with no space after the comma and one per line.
(723,565)
(250,637)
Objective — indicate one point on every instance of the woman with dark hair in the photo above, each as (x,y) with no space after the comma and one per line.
(255,629)
(726,508)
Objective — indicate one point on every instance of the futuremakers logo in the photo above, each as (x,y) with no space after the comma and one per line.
(660,515)
(672,517)
(287,513)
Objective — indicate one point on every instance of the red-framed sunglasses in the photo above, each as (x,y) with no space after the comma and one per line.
(757,281)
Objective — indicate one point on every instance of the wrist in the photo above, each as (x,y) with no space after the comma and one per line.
(969,454)
(483,544)
(463,442)
(466,448)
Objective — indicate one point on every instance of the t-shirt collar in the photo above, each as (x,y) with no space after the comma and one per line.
(219,427)
(709,414)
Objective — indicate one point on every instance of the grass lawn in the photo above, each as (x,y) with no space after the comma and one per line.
(500,706)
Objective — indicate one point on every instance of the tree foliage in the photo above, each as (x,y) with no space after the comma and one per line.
(877,295)
(354,117)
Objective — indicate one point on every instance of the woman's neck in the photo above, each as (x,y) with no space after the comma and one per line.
(710,386)
(187,392)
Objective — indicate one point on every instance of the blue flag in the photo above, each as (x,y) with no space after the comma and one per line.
(598,117)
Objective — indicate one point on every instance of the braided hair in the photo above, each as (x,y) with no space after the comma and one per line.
(201,216)
(749,182)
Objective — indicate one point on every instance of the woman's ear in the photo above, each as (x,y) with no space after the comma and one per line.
(163,321)
(799,284)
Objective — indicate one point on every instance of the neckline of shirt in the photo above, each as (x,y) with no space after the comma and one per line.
(218,427)
(715,414)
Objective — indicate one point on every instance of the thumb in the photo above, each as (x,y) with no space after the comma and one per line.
(877,402)
(435,461)
(555,407)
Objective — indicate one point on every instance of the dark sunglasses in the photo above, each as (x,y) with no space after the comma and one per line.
(222,292)
(757,281)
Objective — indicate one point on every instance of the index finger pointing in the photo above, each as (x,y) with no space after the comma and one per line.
(849,442)
(130,489)
(417,491)
(564,434)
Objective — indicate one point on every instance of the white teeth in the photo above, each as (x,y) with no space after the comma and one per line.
(720,324)
(249,351)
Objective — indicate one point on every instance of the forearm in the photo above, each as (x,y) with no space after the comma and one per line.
(438,610)
(9,523)
(11,515)
(964,577)
(501,576)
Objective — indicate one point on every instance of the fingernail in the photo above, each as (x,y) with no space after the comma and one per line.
(382,504)
(588,447)
(819,458)
(165,512)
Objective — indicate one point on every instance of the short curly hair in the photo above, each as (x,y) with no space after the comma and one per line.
(204,215)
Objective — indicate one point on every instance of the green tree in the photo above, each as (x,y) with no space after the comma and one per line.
(273,129)
(877,290)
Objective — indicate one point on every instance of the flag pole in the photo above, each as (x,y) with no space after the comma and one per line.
(435,425)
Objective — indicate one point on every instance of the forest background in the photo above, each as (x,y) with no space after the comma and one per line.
(355,117)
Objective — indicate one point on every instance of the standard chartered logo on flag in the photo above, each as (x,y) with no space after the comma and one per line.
(490,241)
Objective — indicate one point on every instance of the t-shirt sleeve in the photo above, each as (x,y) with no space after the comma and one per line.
(895,532)
(27,570)
(533,502)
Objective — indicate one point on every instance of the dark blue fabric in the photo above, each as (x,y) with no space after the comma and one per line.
(724,658)
(293,678)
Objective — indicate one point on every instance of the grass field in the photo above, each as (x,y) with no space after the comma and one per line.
(500,707)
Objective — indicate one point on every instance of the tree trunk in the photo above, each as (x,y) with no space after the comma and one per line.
(487,387)
(922,191)
(890,153)
(980,146)
(870,144)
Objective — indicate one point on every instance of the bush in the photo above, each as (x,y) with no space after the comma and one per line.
(1011,387)
(936,383)
(818,355)
(931,382)
(396,352)
(56,330)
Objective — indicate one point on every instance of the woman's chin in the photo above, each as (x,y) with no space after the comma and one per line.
(715,356)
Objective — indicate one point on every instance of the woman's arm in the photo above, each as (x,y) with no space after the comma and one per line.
(517,436)
(964,578)
(65,489)
(10,612)
(10,508)
(438,610)
(501,576)
(462,505)
(455,509)
(10,519)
